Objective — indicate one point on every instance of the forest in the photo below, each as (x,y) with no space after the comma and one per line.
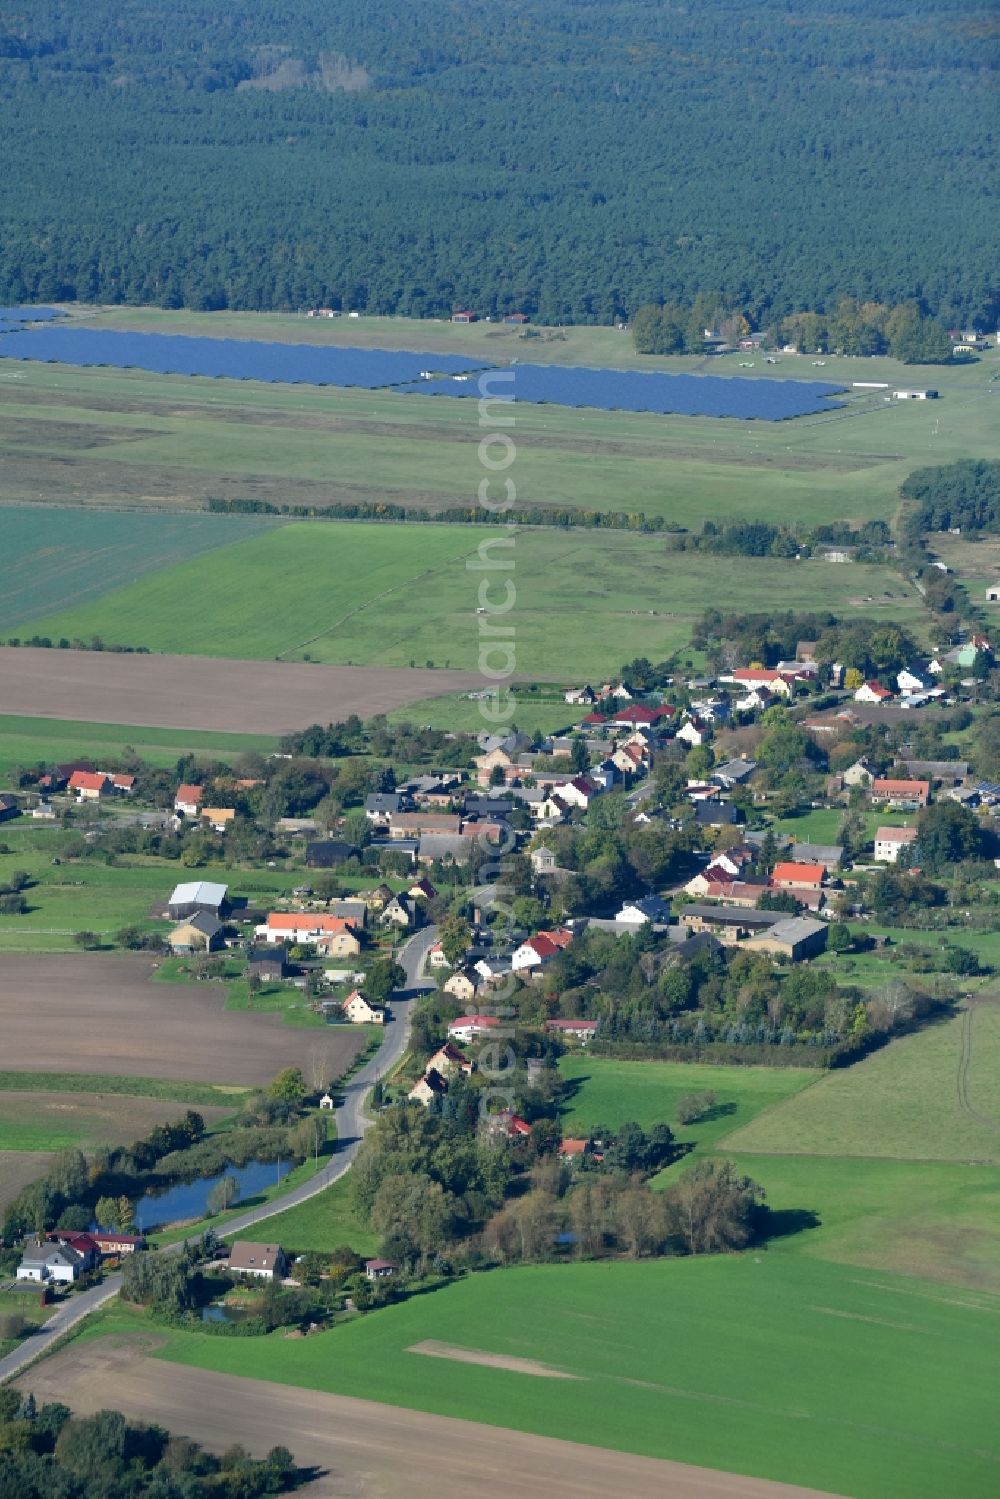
(571,159)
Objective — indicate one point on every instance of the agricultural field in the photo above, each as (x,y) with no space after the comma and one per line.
(930,1096)
(43,996)
(243,702)
(63,558)
(403,596)
(107,437)
(42,1120)
(26,742)
(18,1169)
(774,1365)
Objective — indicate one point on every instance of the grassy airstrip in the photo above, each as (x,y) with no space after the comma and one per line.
(402,595)
(104,436)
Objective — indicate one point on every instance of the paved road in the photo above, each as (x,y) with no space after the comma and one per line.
(351,1125)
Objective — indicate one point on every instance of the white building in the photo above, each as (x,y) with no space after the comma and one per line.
(889,842)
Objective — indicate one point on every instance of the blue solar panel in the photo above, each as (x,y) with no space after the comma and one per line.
(228,358)
(764,399)
(29,314)
(632,390)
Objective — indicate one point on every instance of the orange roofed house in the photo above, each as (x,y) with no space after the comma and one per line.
(90,785)
(333,935)
(789,876)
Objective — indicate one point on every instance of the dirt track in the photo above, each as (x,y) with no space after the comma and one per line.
(366,1450)
(104,1014)
(201,692)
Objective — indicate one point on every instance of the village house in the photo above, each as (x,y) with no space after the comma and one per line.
(793,877)
(573,1150)
(122,783)
(199,933)
(872,692)
(188,799)
(83,1243)
(887,791)
(542,860)
(413,824)
(755,677)
(889,843)
(585,694)
(402,912)
(830,855)
(359,1012)
(693,732)
(448,1059)
(331,934)
(218,818)
(432,1085)
(259,1261)
(8,807)
(436,957)
(114,1244)
(858,774)
(647,908)
(470,1027)
(580,1030)
(58,1263)
(381,806)
(90,785)
(463,984)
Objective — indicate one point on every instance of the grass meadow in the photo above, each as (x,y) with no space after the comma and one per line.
(775,1366)
(398,595)
(931,1096)
(37,1119)
(31,741)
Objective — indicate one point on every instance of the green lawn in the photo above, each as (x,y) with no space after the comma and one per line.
(611,1092)
(221,1095)
(399,595)
(913,1100)
(28,741)
(45,1119)
(324,1222)
(772,1365)
(457,713)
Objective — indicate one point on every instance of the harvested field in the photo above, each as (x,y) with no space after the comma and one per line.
(196,692)
(18,1168)
(363,1449)
(35,1120)
(103,1014)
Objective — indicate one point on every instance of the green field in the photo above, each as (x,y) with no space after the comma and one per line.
(63,558)
(31,741)
(772,1365)
(400,595)
(41,1119)
(611,1092)
(108,437)
(324,1222)
(929,1096)
(219,1095)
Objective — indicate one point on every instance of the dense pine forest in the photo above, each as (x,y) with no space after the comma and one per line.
(572,159)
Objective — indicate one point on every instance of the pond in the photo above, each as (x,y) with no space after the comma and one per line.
(227,1311)
(190,1199)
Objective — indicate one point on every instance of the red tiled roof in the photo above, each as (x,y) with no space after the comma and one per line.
(901,788)
(189,793)
(87,780)
(800,874)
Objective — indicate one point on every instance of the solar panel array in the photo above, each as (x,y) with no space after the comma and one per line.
(763,399)
(227,358)
(29,314)
(631,390)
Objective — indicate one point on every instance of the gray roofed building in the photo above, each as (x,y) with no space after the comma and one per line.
(715,814)
(197,895)
(381,805)
(734,772)
(56,1262)
(830,855)
(794,937)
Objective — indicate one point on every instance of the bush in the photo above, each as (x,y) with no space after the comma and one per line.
(694,1106)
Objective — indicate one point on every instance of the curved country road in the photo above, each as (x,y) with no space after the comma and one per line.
(351,1124)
